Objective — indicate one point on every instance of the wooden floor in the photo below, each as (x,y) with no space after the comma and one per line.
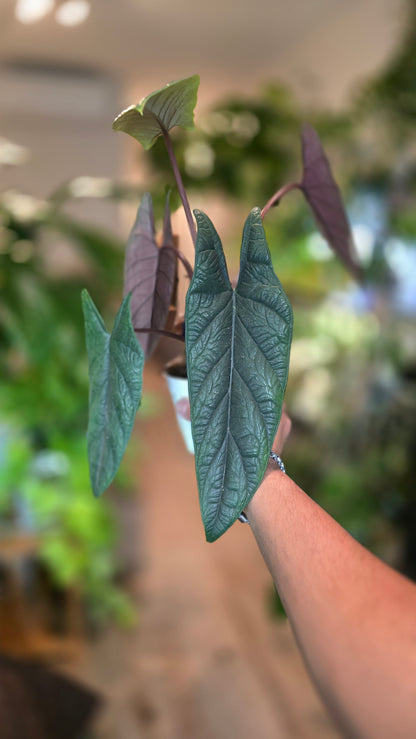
(206,661)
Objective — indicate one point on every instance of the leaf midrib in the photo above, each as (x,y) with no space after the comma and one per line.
(230,384)
(109,359)
(106,364)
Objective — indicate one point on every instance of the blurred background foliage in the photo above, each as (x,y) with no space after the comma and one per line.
(46,258)
(353,369)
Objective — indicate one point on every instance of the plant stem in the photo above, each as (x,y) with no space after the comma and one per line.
(160,331)
(180,185)
(274,200)
(182,258)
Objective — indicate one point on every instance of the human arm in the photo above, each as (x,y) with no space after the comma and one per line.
(354,617)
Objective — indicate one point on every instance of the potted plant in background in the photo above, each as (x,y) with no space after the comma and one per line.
(237,340)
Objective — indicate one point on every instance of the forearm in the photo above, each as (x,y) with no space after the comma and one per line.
(354,618)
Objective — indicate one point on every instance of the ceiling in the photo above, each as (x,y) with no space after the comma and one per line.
(322,47)
(81,77)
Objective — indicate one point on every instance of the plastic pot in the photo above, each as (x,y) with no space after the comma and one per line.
(175,375)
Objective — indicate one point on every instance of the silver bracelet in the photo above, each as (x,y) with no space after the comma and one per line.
(275,457)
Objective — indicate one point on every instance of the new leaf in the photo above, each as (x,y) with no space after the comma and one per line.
(160,111)
(149,273)
(322,193)
(115,366)
(237,348)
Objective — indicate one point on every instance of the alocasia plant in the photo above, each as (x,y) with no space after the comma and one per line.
(149,273)
(237,340)
(237,349)
(116,366)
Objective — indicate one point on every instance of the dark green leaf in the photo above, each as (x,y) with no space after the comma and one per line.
(160,111)
(116,365)
(237,347)
(149,273)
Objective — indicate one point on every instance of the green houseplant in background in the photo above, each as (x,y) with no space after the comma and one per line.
(44,481)
(237,340)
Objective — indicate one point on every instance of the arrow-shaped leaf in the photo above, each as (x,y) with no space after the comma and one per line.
(237,348)
(116,366)
(160,111)
(323,195)
(149,273)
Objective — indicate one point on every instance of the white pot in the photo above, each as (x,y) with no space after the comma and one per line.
(178,388)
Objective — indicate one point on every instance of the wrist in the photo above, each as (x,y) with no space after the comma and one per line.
(272,477)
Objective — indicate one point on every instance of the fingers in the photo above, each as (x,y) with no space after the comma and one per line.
(283,432)
(183,408)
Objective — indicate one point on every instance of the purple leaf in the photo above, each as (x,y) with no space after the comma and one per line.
(149,274)
(323,195)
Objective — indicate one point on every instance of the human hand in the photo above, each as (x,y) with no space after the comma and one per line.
(282,433)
